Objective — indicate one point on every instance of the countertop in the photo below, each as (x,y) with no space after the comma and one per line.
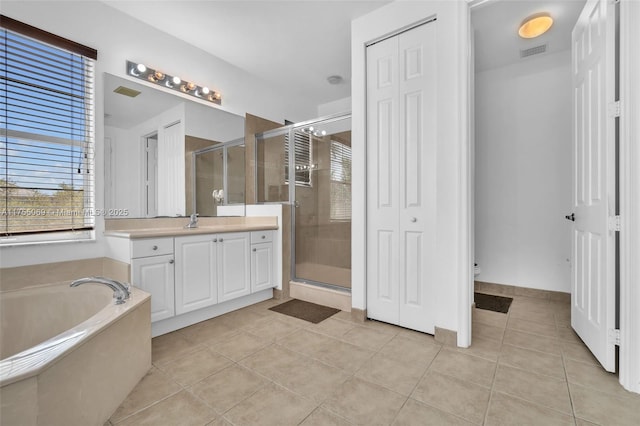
(181,231)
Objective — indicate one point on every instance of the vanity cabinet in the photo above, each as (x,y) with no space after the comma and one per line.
(262,273)
(152,270)
(233,265)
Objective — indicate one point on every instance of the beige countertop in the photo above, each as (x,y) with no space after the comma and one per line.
(174,227)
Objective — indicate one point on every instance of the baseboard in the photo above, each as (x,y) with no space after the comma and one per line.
(359,315)
(320,295)
(446,337)
(511,290)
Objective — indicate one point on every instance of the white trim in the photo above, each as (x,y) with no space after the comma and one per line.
(629,368)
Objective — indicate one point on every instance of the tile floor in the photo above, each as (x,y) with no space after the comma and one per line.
(255,366)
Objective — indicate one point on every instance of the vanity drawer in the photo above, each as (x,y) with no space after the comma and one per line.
(151,247)
(261,236)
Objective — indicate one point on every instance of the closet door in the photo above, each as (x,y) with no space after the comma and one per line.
(401,178)
(382,181)
(417,157)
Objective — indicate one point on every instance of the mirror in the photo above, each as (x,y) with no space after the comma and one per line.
(150,140)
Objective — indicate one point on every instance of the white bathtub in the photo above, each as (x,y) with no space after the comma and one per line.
(69,356)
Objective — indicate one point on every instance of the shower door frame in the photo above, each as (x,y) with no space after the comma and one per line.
(223,147)
(290,130)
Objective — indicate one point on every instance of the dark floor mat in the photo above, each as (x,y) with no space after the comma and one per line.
(493,303)
(305,310)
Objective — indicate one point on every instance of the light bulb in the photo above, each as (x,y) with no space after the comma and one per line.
(176,80)
(205,90)
(141,68)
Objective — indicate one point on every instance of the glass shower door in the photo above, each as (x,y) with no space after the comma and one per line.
(322,202)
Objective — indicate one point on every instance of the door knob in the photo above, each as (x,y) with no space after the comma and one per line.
(571,217)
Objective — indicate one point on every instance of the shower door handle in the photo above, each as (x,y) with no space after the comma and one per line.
(296,204)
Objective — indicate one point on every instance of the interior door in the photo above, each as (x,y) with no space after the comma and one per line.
(593,248)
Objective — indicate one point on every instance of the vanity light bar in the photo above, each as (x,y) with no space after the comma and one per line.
(173,82)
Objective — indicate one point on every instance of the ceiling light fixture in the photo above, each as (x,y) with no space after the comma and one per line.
(535,25)
(172,82)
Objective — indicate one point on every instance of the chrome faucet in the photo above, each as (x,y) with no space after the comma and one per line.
(193,221)
(121,291)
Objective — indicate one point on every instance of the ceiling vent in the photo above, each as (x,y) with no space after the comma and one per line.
(121,90)
(533,51)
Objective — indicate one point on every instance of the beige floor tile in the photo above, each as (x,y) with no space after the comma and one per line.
(542,390)
(485,331)
(418,335)
(362,402)
(153,387)
(367,337)
(228,387)
(322,417)
(170,346)
(595,377)
(604,409)
(533,361)
(207,331)
(380,326)
(398,376)
(455,396)
(578,352)
(508,410)
(495,319)
(305,341)
(296,372)
(539,317)
(270,328)
(239,345)
(240,318)
(344,316)
(466,367)
(532,341)
(411,350)
(580,422)
(483,348)
(417,413)
(272,361)
(530,304)
(180,409)
(220,421)
(332,327)
(195,366)
(271,405)
(567,334)
(532,327)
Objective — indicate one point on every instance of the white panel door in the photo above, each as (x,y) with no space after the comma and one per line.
(171,179)
(401,178)
(593,252)
(262,273)
(196,272)
(234,264)
(382,181)
(417,158)
(155,276)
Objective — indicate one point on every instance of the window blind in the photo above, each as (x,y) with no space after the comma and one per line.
(340,181)
(47,141)
(303,164)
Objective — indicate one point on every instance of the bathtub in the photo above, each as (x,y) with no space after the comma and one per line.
(70,356)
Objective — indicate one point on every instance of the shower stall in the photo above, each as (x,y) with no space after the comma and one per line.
(218,178)
(308,167)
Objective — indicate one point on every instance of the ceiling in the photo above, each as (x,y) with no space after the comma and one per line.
(292,45)
(496,23)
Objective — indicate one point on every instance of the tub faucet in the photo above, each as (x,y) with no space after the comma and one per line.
(193,221)
(121,291)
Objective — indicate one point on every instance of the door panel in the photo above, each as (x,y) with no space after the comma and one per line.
(233,265)
(155,276)
(196,285)
(593,254)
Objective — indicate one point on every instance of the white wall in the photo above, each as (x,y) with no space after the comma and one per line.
(452,239)
(523,173)
(118,37)
(334,107)
(223,127)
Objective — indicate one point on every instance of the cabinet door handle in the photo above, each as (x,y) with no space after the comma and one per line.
(171,261)
(215,240)
(221,240)
(264,236)
(413,219)
(154,248)
(255,249)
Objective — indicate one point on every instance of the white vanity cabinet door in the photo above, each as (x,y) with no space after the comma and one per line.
(155,276)
(262,267)
(196,272)
(234,265)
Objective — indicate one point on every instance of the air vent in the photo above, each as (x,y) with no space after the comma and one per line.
(121,90)
(533,51)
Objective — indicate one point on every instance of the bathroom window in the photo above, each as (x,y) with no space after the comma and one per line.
(47,140)
(304,165)
(340,181)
